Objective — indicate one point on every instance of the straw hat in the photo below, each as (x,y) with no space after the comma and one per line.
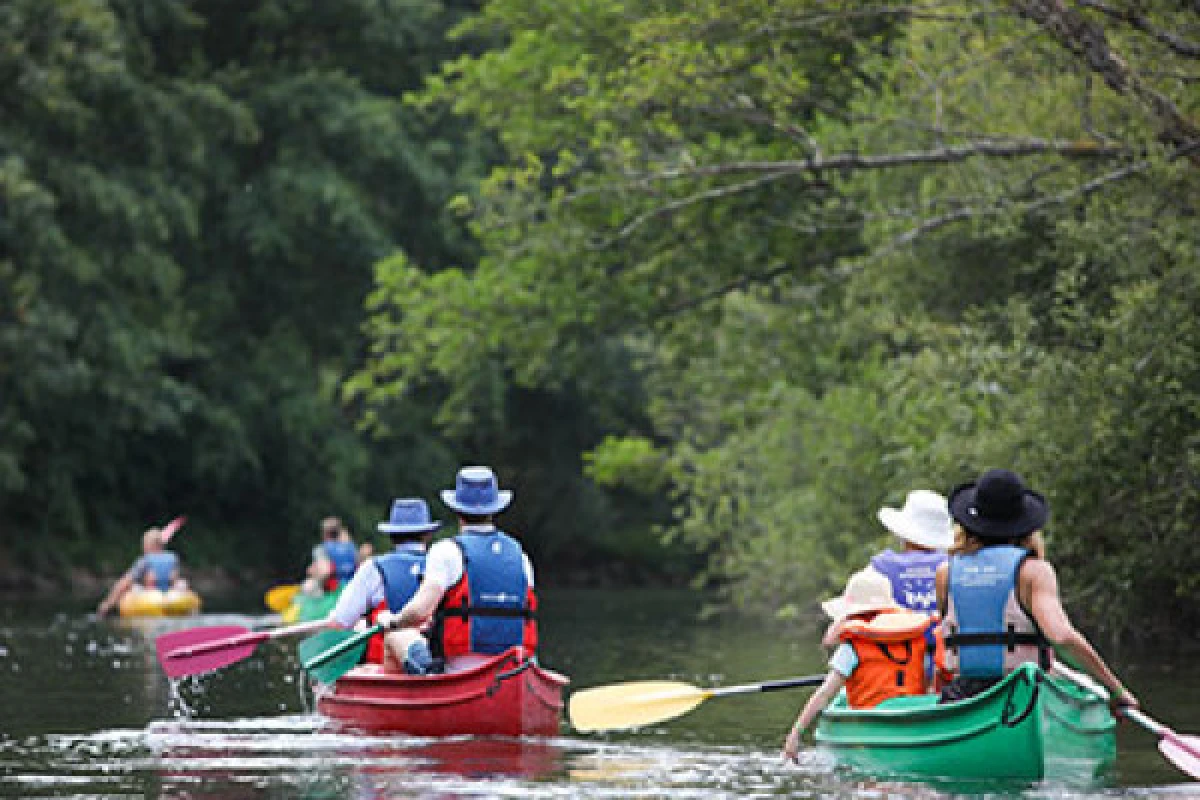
(924,520)
(867,590)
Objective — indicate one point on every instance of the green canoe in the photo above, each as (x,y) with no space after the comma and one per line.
(307,608)
(1029,727)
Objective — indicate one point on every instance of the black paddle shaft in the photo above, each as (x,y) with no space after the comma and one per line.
(770,686)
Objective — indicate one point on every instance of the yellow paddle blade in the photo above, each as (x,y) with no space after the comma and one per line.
(280,597)
(632,705)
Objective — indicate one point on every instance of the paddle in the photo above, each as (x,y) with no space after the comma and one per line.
(330,654)
(1182,751)
(196,650)
(171,528)
(638,703)
(278,598)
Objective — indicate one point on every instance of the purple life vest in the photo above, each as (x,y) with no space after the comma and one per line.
(912,574)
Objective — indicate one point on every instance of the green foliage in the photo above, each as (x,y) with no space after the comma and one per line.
(843,253)
(193,197)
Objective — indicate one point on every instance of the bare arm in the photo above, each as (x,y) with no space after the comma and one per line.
(420,608)
(815,705)
(941,585)
(832,634)
(122,585)
(1039,588)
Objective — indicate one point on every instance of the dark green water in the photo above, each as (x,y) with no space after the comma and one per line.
(85,712)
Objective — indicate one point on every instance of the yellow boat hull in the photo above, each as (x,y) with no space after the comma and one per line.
(140,602)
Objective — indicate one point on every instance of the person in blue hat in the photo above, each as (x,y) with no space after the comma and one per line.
(386,583)
(477,596)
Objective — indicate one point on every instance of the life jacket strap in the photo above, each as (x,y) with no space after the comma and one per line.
(465,611)
(1009,639)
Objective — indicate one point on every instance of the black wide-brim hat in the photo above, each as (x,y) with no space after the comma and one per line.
(998,506)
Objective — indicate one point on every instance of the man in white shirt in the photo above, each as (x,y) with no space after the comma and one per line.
(387,582)
(477,592)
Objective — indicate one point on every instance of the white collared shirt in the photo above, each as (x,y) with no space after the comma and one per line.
(444,565)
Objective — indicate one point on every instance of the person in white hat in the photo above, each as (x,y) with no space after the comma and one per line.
(881,652)
(925,531)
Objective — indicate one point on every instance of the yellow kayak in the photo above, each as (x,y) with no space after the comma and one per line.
(141,602)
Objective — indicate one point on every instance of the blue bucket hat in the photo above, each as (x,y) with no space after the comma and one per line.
(410,515)
(476,492)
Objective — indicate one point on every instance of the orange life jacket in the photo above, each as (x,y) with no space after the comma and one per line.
(891,656)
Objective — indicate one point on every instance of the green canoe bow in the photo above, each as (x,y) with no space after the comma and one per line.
(1029,727)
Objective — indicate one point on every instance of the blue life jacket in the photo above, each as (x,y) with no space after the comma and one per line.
(401,571)
(344,557)
(490,609)
(162,566)
(912,574)
(987,631)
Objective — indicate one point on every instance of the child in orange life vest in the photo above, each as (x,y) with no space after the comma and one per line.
(881,655)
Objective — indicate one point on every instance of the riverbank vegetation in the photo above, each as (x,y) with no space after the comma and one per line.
(738,272)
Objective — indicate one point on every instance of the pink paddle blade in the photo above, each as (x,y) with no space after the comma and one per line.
(197,650)
(171,528)
(1183,752)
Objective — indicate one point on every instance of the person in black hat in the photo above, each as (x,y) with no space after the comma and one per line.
(385,583)
(999,596)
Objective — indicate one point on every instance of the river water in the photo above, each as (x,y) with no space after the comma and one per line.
(85,712)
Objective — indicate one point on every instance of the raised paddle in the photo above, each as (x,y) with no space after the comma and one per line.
(1181,750)
(330,654)
(171,528)
(278,598)
(196,650)
(638,703)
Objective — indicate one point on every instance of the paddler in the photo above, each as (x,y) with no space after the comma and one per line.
(477,594)
(334,560)
(925,532)
(157,568)
(387,582)
(999,595)
(880,655)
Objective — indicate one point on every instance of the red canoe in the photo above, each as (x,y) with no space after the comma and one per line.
(504,695)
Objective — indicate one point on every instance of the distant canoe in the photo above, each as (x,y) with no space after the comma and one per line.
(307,608)
(141,602)
(1029,727)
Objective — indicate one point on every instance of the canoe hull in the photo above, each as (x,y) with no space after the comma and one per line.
(504,695)
(139,602)
(1028,728)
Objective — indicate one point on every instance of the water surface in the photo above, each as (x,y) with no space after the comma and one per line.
(85,712)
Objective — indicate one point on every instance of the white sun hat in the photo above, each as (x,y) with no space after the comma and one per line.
(867,590)
(924,520)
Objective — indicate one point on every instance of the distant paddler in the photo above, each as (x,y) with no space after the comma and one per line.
(334,560)
(157,568)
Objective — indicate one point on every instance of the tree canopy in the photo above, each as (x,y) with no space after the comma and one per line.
(845,251)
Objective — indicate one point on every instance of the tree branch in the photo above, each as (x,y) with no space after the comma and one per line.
(1182,46)
(1087,39)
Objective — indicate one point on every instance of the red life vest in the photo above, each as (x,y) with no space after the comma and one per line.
(455,630)
(374,653)
(891,656)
